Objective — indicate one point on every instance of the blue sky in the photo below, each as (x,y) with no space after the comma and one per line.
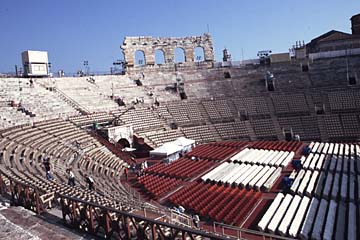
(76,30)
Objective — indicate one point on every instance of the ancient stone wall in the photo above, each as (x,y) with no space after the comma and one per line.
(148,45)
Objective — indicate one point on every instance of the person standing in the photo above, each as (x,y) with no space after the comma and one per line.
(48,169)
(196,221)
(126,172)
(71,177)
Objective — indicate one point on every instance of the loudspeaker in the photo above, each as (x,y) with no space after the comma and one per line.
(173,125)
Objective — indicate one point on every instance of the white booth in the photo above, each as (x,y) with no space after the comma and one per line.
(35,63)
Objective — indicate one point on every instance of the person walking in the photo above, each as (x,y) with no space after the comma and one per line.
(90,182)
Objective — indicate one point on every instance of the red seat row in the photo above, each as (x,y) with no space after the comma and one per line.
(276,145)
(234,144)
(185,192)
(215,207)
(183,168)
(223,204)
(231,205)
(247,209)
(157,185)
(212,152)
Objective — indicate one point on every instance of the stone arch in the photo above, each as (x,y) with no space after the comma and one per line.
(124,142)
(199,54)
(159,56)
(179,55)
(139,57)
(117,133)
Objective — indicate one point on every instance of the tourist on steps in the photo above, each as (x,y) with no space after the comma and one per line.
(48,169)
(90,182)
(71,177)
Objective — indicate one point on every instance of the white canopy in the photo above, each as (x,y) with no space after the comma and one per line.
(166,149)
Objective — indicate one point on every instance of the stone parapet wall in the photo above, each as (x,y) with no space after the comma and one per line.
(148,45)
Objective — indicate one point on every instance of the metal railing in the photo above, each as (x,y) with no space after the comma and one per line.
(143,219)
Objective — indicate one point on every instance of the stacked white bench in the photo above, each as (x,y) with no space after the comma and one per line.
(251,168)
(323,200)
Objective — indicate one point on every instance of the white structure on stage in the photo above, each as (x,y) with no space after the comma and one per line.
(171,151)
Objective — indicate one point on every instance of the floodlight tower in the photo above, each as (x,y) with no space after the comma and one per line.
(86,65)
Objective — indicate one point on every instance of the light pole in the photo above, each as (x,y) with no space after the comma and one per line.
(86,65)
(20,90)
(118,63)
(49,67)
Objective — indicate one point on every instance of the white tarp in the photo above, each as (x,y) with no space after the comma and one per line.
(166,149)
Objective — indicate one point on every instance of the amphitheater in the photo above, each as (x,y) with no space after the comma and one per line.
(269,163)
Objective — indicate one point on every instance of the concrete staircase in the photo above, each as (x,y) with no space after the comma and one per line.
(322,129)
(71,102)
(250,130)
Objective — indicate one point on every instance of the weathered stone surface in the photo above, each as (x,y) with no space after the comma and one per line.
(19,223)
(9,230)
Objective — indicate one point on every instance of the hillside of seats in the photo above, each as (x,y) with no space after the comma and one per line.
(49,119)
(247,80)
(34,125)
(316,105)
(260,117)
(24,148)
(222,181)
(94,93)
(22,103)
(256,185)
(323,200)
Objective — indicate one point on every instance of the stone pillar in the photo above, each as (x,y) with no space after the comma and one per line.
(149,56)
(129,56)
(189,54)
(208,54)
(169,54)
